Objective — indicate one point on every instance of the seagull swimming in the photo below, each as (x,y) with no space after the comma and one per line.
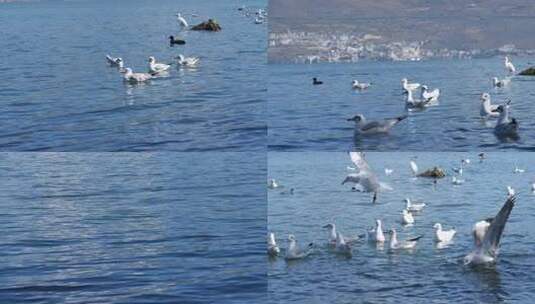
(155,68)
(406,244)
(115,61)
(364,127)
(360,85)
(376,234)
(181,21)
(457,181)
(341,246)
(487,235)
(488,109)
(414,207)
(518,170)
(272,184)
(411,103)
(429,95)
(134,78)
(500,83)
(332,235)
(444,236)
(294,252)
(364,178)
(272,247)
(509,65)
(506,127)
(187,61)
(407,217)
(407,87)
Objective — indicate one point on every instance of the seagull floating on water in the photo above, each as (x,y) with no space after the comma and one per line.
(407,87)
(414,207)
(487,235)
(509,65)
(444,236)
(115,61)
(187,61)
(488,109)
(272,247)
(406,244)
(506,127)
(407,217)
(272,184)
(364,127)
(429,95)
(518,170)
(332,235)
(341,246)
(500,83)
(294,252)
(412,103)
(376,234)
(134,78)
(365,179)
(156,68)
(360,85)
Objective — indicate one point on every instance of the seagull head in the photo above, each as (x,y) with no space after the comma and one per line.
(377,222)
(291,238)
(119,60)
(404,80)
(151,59)
(329,226)
(355,82)
(356,118)
(437,226)
(485,97)
(127,70)
(424,88)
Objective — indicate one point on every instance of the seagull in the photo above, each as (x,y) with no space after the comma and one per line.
(294,252)
(460,169)
(187,61)
(411,103)
(457,181)
(360,85)
(133,78)
(365,178)
(414,207)
(414,168)
(406,244)
(115,61)
(518,170)
(407,217)
(341,246)
(506,127)
(510,191)
(181,21)
(364,127)
(315,81)
(333,233)
(500,83)
(376,234)
(509,65)
(443,235)
(272,184)
(487,109)
(259,20)
(429,95)
(388,171)
(487,235)
(465,161)
(155,68)
(407,87)
(272,248)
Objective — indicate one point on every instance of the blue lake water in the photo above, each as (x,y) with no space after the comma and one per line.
(58,93)
(303,117)
(426,275)
(132,228)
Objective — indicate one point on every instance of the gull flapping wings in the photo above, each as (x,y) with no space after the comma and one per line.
(492,237)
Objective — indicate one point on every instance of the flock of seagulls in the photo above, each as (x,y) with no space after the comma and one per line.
(486,233)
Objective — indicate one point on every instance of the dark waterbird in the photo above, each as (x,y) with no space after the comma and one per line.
(173,41)
(315,81)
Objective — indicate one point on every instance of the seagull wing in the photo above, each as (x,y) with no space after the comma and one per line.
(358,160)
(491,241)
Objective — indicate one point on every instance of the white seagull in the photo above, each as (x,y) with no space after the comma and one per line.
(487,109)
(294,252)
(414,207)
(406,244)
(506,127)
(500,83)
(181,21)
(341,246)
(155,67)
(429,95)
(487,235)
(134,78)
(187,61)
(332,235)
(509,65)
(412,103)
(407,218)
(518,170)
(272,184)
(365,178)
(407,87)
(414,168)
(360,85)
(444,236)
(115,61)
(376,234)
(272,247)
(364,127)
(388,171)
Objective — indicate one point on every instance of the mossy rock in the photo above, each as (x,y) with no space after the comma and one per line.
(528,72)
(436,172)
(210,25)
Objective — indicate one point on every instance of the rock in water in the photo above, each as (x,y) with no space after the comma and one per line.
(528,72)
(210,25)
(436,172)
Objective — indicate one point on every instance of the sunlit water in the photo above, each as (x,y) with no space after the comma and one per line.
(425,275)
(132,228)
(58,93)
(306,117)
